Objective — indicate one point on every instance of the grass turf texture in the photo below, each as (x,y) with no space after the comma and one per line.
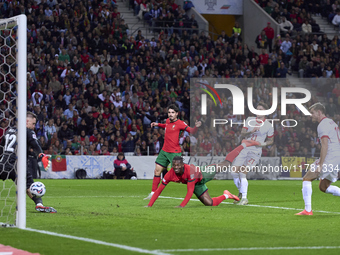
(113,211)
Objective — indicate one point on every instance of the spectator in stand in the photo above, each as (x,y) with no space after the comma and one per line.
(264,57)
(336,19)
(302,66)
(282,71)
(261,40)
(331,108)
(286,27)
(306,27)
(65,134)
(236,29)
(65,46)
(143,8)
(122,167)
(270,36)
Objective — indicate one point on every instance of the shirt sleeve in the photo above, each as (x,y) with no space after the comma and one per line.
(322,131)
(165,181)
(185,127)
(190,188)
(161,125)
(270,132)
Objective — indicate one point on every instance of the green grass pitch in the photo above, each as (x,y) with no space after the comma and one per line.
(113,211)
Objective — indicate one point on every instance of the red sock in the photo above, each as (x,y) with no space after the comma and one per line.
(218,200)
(234,153)
(156,181)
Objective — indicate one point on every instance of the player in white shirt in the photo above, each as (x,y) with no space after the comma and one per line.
(256,129)
(327,167)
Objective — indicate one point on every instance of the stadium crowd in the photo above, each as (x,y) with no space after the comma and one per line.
(96,89)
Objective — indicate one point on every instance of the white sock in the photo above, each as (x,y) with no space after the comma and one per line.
(39,204)
(226,196)
(243,185)
(236,178)
(152,192)
(307,194)
(334,190)
(244,145)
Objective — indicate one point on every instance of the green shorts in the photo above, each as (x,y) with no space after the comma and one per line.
(208,175)
(165,158)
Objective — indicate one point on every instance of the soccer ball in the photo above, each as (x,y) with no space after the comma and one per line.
(133,178)
(38,189)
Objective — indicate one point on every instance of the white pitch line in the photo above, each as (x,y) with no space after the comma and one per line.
(193,199)
(254,249)
(89,196)
(261,206)
(89,240)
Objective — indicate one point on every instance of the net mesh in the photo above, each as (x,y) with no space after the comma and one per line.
(8,109)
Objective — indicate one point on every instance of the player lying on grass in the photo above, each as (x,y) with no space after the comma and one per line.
(196,177)
(8,159)
(327,167)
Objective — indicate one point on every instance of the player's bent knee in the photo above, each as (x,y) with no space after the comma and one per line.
(323,187)
(158,171)
(207,202)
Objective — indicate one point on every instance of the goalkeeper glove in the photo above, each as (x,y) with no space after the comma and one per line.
(45,160)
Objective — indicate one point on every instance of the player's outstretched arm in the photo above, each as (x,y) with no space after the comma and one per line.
(194,129)
(156,124)
(156,194)
(190,187)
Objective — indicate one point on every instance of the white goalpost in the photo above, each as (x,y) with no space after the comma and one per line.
(13,53)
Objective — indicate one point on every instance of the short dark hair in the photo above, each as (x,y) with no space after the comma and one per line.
(318,107)
(173,107)
(178,158)
(31,115)
(120,154)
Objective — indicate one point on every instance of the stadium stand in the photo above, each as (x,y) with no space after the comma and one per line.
(96,89)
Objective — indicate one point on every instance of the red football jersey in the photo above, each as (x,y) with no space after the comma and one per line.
(172,130)
(190,176)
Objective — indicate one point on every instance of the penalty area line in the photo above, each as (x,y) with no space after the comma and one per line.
(89,240)
(251,205)
(253,249)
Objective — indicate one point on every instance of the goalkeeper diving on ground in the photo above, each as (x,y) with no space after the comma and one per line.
(8,158)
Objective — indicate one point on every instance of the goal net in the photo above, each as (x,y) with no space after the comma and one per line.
(13,98)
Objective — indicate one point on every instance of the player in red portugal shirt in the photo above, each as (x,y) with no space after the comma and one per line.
(173,126)
(197,176)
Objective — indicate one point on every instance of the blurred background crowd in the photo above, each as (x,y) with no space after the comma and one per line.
(96,88)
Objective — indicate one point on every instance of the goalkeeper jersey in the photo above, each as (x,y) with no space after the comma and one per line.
(9,141)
